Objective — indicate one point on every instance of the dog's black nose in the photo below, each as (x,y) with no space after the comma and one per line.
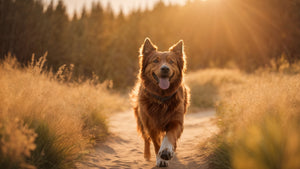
(165,69)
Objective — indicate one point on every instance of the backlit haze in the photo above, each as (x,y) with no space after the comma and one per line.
(125,5)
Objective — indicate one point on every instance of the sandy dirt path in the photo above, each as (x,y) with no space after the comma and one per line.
(124,147)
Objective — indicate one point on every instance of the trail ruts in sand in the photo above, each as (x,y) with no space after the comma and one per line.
(124,147)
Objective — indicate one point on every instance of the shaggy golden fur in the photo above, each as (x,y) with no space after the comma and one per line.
(160,99)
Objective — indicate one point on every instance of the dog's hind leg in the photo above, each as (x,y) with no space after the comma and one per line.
(147,153)
(145,136)
(147,141)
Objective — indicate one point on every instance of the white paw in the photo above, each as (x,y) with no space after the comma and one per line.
(161,163)
(166,150)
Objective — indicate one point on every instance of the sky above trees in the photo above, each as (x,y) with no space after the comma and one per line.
(125,5)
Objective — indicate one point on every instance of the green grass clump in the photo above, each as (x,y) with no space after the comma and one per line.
(51,149)
(96,124)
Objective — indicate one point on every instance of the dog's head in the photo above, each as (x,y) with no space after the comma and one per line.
(162,70)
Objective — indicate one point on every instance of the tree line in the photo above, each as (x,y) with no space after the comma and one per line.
(243,33)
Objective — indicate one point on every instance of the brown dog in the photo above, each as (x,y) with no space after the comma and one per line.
(160,99)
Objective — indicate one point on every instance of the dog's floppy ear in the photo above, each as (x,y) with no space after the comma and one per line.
(147,47)
(178,48)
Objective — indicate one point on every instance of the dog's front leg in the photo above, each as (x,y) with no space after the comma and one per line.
(168,146)
(165,153)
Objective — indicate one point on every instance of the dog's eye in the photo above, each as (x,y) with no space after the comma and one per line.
(171,62)
(155,61)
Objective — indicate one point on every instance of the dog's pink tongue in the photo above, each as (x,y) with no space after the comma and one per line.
(164,83)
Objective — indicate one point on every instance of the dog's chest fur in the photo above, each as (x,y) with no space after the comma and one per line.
(160,113)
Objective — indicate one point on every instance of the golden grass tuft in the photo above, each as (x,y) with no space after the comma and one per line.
(260,123)
(47,122)
(207,85)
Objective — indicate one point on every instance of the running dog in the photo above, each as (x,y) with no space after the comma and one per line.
(160,99)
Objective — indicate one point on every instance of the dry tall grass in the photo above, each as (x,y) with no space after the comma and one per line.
(45,123)
(260,123)
(208,84)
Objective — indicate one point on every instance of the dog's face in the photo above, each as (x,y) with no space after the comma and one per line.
(162,68)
